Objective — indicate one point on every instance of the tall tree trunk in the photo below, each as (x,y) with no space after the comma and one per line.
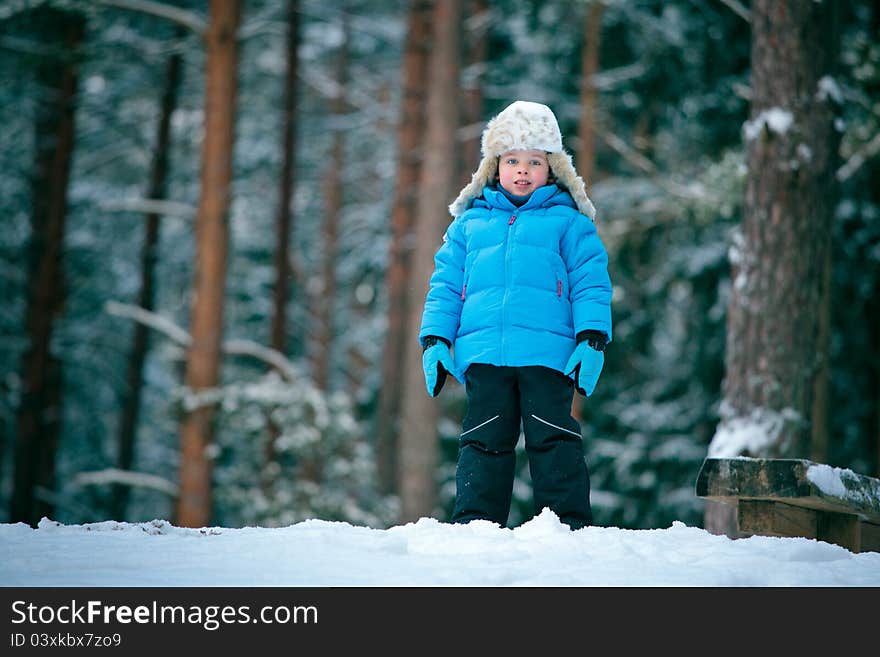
(212,245)
(284,221)
(38,417)
(418,439)
(333,200)
(872,318)
(819,443)
(409,154)
(131,405)
(874,304)
(820,422)
(477,48)
(773,351)
(586,152)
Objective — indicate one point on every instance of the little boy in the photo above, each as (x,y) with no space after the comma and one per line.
(521,293)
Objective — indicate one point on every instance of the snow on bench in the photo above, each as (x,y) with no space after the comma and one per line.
(798,498)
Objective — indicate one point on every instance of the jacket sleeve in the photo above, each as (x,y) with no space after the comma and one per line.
(589,283)
(443,302)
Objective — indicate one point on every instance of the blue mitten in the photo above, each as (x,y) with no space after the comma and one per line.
(584,367)
(437,363)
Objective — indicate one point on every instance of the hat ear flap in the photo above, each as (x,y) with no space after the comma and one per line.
(484,175)
(567,177)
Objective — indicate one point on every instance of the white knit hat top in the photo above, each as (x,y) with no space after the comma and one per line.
(524,125)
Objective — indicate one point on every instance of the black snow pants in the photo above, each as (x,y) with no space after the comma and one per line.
(499,400)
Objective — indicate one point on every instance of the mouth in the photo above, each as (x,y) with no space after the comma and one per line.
(522,184)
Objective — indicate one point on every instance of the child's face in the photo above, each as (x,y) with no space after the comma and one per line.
(522,172)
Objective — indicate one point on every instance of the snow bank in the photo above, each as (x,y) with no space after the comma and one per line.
(541,552)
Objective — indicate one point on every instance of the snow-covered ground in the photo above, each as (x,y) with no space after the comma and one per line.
(541,552)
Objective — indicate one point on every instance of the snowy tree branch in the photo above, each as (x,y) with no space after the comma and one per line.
(861,156)
(125,477)
(737,9)
(13,7)
(629,154)
(266,354)
(151,206)
(183,17)
(153,320)
(265,22)
(177,334)
(610,78)
(59,501)
(638,160)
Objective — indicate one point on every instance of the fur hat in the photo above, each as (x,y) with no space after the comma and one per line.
(524,125)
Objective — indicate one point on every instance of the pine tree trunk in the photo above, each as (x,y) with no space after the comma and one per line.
(477,47)
(333,200)
(418,451)
(586,153)
(212,245)
(819,421)
(131,404)
(284,221)
(773,352)
(872,316)
(409,153)
(875,322)
(39,413)
(873,305)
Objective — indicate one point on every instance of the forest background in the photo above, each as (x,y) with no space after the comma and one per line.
(275,198)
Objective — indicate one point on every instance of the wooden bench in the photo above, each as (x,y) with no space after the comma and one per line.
(796,498)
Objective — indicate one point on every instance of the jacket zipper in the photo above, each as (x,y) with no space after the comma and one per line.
(506,285)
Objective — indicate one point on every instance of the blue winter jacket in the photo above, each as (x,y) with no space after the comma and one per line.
(515,285)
